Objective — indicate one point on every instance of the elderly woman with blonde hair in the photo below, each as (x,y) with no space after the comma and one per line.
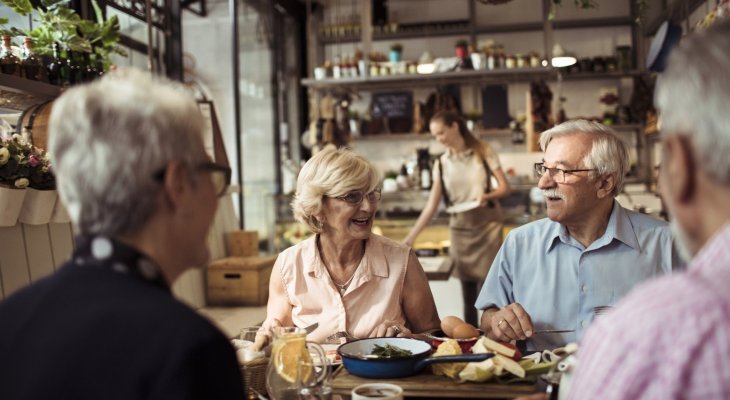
(345,278)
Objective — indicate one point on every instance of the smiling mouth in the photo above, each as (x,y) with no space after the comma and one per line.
(361,221)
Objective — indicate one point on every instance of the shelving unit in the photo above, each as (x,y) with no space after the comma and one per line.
(17,94)
(463,28)
(472,77)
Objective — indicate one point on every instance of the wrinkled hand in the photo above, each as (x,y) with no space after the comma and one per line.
(392,329)
(483,200)
(511,323)
(263,336)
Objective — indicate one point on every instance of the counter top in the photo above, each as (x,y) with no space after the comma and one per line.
(230,320)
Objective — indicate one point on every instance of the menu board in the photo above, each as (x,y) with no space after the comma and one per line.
(393,105)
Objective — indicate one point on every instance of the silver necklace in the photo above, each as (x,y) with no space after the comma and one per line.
(344,286)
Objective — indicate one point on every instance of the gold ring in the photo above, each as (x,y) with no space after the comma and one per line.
(499,323)
(396,328)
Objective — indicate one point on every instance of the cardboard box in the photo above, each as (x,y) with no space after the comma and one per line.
(243,243)
(239,281)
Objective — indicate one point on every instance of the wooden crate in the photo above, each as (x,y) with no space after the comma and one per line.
(239,281)
(243,243)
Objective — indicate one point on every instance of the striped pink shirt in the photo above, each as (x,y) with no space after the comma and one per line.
(669,339)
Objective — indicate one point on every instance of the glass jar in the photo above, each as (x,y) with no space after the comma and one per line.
(297,368)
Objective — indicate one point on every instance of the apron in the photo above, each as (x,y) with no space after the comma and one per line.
(476,236)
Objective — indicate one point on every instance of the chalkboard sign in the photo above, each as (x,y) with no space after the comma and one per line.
(495,112)
(393,105)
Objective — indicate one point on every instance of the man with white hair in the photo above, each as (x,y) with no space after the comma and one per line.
(132,171)
(670,338)
(555,273)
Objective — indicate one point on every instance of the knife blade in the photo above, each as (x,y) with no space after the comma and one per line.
(553,331)
(309,329)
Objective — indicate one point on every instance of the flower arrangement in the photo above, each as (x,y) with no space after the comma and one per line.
(23,165)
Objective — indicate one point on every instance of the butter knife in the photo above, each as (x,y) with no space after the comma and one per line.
(309,329)
(553,331)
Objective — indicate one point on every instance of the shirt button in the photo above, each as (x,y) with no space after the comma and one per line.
(583,324)
(583,289)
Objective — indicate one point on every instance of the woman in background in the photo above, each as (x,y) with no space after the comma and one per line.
(344,278)
(463,174)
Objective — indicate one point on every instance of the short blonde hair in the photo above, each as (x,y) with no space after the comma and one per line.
(331,172)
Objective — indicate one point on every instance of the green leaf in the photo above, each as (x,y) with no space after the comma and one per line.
(4,20)
(22,7)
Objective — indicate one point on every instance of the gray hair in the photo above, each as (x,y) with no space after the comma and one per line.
(110,137)
(331,172)
(693,96)
(608,154)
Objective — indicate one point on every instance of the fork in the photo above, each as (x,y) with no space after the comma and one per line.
(335,337)
(599,310)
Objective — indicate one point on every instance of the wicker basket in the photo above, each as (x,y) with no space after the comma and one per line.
(254,375)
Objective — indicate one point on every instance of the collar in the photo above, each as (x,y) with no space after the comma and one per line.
(314,265)
(450,153)
(619,227)
(105,252)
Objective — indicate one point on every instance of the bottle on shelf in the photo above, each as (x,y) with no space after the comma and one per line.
(32,65)
(58,70)
(9,62)
(75,75)
(424,167)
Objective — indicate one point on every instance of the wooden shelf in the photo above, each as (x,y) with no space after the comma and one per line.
(458,77)
(482,133)
(17,94)
(461,28)
(441,78)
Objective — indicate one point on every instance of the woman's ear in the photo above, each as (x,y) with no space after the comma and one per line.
(175,184)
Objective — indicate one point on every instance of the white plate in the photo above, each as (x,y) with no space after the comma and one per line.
(331,352)
(461,207)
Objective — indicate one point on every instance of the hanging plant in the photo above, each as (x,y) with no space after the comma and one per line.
(584,4)
(59,23)
(22,7)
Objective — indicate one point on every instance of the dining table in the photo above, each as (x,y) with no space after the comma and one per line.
(425,385)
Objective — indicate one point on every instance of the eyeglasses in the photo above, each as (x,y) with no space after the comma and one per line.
(556,174)
(220,176)
(355,198)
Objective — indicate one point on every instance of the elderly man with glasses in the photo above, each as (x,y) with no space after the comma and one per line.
(555,274)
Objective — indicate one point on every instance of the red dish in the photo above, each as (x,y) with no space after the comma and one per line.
(438,336)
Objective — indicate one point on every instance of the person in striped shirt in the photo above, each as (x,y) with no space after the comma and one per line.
(670,338)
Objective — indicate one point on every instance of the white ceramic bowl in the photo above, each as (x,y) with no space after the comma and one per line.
(379,391)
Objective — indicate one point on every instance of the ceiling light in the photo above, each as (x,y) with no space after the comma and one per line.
(561,58)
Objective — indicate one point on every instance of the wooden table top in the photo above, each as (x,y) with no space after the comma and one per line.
(429,385)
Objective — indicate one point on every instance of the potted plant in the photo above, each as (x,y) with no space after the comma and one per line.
(13,179)
(40,200)
(396,50)
(59,23)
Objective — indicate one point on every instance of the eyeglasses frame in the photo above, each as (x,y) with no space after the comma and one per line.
(206,166)
(552,174)
(364,196)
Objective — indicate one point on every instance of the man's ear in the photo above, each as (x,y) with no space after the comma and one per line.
(605,186)
(678,159)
